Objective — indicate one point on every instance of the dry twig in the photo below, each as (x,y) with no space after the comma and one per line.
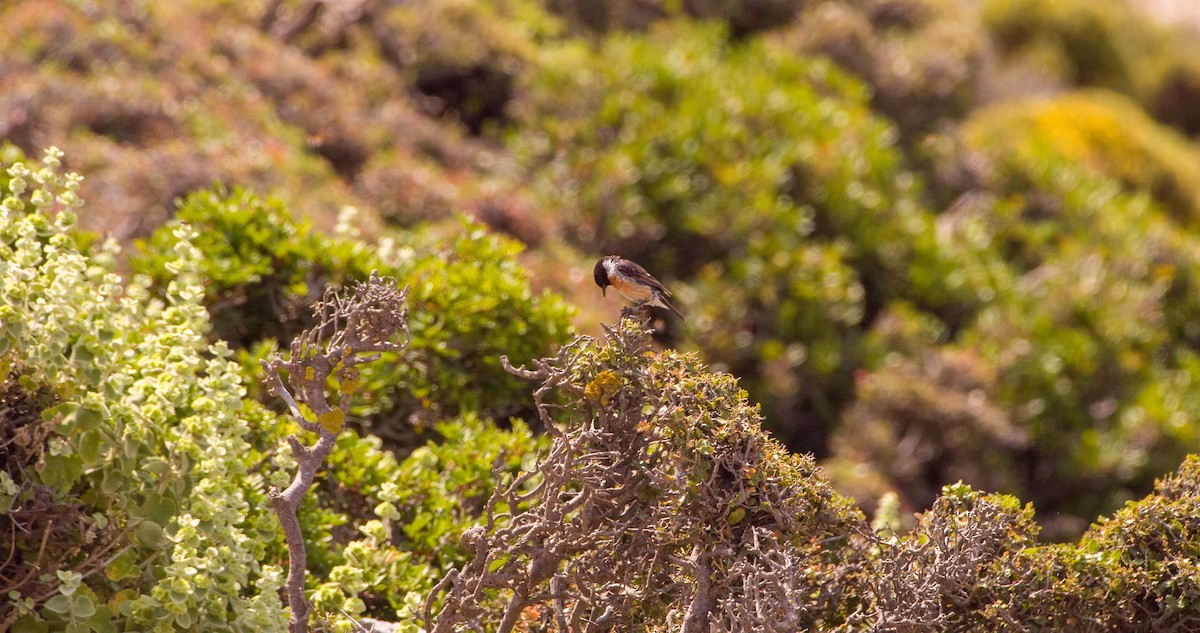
(355,328)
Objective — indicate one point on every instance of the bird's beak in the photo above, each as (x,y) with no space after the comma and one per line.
(603,291)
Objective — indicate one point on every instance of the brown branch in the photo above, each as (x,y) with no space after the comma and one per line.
(36,566)
(354,329)
(696,620)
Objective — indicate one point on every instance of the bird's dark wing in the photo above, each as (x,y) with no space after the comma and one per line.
(636,272)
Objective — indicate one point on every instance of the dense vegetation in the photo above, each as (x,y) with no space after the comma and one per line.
(934,241)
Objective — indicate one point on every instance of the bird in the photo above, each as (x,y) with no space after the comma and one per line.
(633,282)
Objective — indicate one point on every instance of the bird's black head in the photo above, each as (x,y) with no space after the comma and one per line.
(601,276)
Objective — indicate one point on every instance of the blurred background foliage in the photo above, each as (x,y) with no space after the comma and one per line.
(934,239)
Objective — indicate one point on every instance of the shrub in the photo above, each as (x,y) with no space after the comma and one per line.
(94,419)
(1071,293)
(264,268)
(922,58)
(1090,322)
(397,524)
(956,569)
(1151,546)
(1137,566)
(1097,130)
(1107,44)
(922,420)
(762,176)
(1096,43)
(972,562)
(472,302)
(1173,95)
(129,471)
(461,54)
(178,115)
(741,16)
(659,504)
(464,54)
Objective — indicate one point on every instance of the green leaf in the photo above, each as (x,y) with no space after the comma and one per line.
(29,624)
(102,621)
(89,447)
(111,481)
(87,418)
(149,533)
(59,604)
(155,465)
(737,515)
(124,566)
(61,471)
(82,607)
(160,508)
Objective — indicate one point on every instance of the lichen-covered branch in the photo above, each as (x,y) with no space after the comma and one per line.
(355,328)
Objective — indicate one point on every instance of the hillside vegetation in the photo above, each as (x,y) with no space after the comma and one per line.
(940,262)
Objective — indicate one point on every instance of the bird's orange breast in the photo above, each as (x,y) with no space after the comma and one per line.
(630,289)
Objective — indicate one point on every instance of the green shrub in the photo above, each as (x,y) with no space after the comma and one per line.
(111,413)
(1073,272)
(130,475)
(1137,566)
(1101,44)
(262,268)
(397,525)
(1152,546)
(956,569)
(1093,322)
(1096,43)
(470,302)
(762,176)
(923,59)
(1097,130)
(973,563)
(922,419)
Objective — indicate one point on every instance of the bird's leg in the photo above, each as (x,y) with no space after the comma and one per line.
(629,311)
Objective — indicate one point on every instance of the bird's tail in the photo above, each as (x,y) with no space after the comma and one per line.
(667,304)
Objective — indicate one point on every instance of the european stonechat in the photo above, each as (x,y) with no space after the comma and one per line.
(633,282)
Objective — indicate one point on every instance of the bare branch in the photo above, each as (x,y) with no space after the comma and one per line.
(354,328)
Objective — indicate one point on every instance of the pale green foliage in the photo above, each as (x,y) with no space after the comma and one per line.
(146,434)
(420,507)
